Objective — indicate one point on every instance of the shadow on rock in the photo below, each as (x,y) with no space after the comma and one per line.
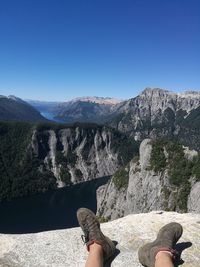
(180,247)
(117,251)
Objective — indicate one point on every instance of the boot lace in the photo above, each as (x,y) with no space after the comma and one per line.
(85,237)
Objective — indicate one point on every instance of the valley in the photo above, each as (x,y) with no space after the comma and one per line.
(134,143)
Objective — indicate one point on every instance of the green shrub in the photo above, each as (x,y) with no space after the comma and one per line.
(20,172)
(102,219)
(121,178)
(180,169)
(158,160)
(126,147)
(43,126)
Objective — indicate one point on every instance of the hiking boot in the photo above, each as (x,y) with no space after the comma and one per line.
(92,232)
(166,239)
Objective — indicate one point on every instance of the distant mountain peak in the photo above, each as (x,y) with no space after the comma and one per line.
(3,96)
(13,97)
(98,100)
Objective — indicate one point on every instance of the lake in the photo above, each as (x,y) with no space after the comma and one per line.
(49,211)
(50,116)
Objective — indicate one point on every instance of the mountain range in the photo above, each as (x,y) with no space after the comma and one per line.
(149,109)
(126,115)
(81,109)
(39,157)
(153,113)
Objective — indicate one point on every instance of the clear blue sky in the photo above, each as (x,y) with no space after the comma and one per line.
(59,49)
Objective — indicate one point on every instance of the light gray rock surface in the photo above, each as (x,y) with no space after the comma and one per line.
(146,189)
(64,248)
(80,153)
(194,198)
(160,113)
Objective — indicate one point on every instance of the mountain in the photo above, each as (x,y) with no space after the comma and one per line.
(87,109)
(15,109)
(160,113)
(98,100)
(52,155)
(81,109)
(153,113)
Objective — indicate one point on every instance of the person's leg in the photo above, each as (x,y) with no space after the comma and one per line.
(160,252)
(100,247)
(95,257)
(164,258)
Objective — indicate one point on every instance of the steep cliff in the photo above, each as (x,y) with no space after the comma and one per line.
(38,158)
(160,179)
(79,153)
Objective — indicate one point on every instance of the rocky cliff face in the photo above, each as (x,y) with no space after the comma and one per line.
(146,189)
(194,198)
(156,113)
(77,154)
(37,158)
(65,248)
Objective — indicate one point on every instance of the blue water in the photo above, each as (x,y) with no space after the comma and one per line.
(50,116)
(50,210)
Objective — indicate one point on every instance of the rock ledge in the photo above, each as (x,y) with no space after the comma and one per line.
(63,248)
